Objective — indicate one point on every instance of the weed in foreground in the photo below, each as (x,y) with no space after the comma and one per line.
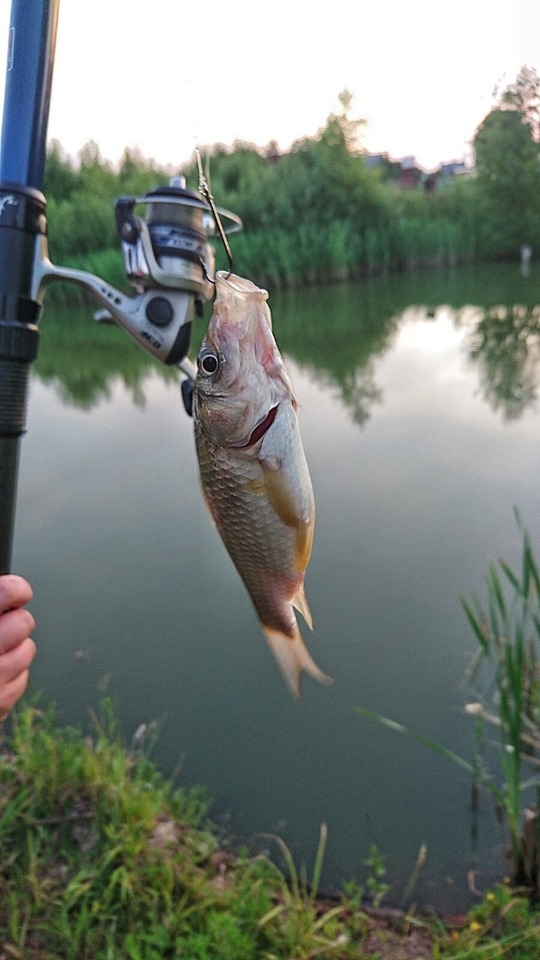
(508,634)
(504,925)
(101,859)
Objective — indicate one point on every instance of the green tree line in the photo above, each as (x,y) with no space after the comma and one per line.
(319,212)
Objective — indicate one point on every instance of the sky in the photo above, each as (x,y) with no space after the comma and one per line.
(164,76)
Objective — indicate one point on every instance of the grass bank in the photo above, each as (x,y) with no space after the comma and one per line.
(102,857)
(279,260)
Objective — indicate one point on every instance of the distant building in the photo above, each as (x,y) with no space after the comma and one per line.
(448,171)
(410,174)
(387,168)
(374,160)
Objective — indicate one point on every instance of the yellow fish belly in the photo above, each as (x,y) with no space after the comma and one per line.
(269,546)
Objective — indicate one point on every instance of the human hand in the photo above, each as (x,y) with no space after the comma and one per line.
(17,649)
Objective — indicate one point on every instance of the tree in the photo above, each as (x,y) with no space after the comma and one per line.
(341,127)
(508,174)
(60,176)
(523,95)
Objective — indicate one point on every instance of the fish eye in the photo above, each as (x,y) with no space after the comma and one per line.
(209,363)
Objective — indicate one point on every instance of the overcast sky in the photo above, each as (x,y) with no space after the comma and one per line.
(165,76)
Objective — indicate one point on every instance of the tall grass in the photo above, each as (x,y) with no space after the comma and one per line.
(505,672)
(101,858)
(309,255)
(342,250)
(507,629)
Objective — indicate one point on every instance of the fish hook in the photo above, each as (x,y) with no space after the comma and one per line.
(204,189)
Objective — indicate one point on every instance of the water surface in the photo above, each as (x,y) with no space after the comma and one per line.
(420,423)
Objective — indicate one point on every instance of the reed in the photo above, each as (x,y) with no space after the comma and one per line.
(341,251)
(507,628)
(506,698)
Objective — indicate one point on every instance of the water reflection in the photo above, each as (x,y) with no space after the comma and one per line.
(336,334)
(505,343)
(83,359)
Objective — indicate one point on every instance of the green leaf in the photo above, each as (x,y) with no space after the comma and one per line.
(436,747)
(477,626)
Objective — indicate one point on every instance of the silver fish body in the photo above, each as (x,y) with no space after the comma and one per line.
(252,466)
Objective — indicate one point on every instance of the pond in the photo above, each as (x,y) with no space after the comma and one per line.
(420,423)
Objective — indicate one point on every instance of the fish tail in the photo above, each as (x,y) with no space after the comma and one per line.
(300,603)
(293,657)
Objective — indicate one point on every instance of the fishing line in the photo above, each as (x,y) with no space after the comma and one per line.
(204,189)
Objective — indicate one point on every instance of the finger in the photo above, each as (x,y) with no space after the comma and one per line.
(11,692)
(14,592)
(16,661)
(15,625)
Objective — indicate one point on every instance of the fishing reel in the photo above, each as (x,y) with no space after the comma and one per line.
(168,259)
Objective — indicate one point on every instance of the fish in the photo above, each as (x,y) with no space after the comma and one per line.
(252,466)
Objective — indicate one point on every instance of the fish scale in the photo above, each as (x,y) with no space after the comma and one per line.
(253,471)
(246,523)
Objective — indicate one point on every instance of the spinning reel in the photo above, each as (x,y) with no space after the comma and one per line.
(168,259)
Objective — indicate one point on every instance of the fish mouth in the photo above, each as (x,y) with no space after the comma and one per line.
(259,431)
(239,284)
(230,286)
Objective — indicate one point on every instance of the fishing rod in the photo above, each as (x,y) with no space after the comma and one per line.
(31,47)
(165,238)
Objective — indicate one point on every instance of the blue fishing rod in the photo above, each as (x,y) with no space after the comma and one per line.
(165,237)
(31,46)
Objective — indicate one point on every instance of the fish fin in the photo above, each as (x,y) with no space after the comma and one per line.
(292,657)
(300,603)
(304,543)
(290,508)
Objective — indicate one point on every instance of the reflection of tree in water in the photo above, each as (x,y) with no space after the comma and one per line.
(360,392)
(336,333)
(356,388)
(84,360)
(506,344)
(329,333)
